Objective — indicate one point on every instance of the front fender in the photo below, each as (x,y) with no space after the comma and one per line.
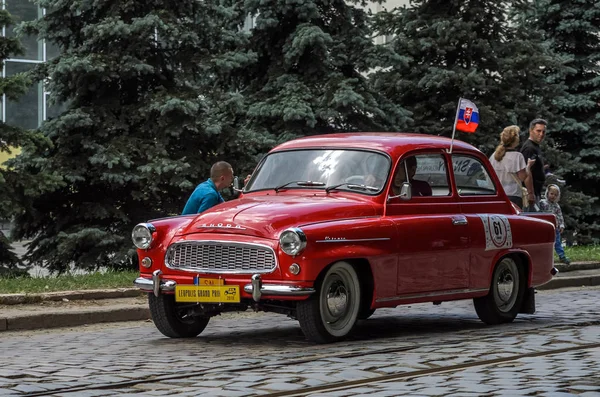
(166,228)
(371,239)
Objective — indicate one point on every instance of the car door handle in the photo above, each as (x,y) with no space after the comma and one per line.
(459,221)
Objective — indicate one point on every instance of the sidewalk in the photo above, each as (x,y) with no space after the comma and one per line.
(74,308)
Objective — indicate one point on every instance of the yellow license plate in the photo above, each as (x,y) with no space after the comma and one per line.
(211,281)
(207,293)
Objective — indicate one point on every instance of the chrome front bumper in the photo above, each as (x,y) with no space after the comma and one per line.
(256,288)
(155,284)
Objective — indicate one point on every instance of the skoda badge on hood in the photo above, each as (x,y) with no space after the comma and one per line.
(220,226)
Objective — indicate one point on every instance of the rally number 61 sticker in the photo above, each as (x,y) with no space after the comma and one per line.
(497,232)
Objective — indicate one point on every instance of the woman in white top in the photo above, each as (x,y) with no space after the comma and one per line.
(510,166)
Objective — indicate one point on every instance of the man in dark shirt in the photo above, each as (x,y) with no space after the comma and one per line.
(417,187)
(531,150)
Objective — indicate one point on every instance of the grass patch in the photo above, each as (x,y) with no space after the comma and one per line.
(582,253)
(31,285)
(124,279)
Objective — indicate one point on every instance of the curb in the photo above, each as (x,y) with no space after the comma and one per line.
(565,282)
(577,266)
(15,299)
(78,317)
(74,318)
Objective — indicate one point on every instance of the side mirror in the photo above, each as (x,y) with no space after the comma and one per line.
(405,192)
(237,186)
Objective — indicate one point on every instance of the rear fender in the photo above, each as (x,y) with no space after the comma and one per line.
(546,216)
(521,257)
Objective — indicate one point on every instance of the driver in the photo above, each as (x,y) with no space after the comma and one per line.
(418,188)
(373,180)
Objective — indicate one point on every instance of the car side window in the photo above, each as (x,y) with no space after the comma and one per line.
(472,178)
(431,168)
(427,174)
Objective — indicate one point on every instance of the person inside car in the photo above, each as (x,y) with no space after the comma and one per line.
(418,188)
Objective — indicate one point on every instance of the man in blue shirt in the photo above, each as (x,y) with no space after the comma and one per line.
(207,193)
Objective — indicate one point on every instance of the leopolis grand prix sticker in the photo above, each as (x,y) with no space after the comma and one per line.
(497,232)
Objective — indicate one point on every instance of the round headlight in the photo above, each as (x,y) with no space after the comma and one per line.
(142,235)
(292,241)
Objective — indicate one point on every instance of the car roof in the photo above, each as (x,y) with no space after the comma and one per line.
(394,143)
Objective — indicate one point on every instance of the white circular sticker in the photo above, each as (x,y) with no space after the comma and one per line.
(497,231)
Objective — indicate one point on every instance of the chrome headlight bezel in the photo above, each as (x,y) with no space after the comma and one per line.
(142,235)
(292,241)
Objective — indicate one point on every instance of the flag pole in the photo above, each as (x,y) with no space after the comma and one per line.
(454,127)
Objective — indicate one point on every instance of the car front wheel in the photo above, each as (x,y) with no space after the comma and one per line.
(330,314)
(173,320)
(502,303)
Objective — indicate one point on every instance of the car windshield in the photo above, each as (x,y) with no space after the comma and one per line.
(359,171)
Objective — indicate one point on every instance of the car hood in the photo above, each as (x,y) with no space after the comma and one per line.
(266,216)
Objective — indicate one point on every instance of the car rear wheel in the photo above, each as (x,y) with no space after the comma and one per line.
(330,314)
(502,303)
(173,320)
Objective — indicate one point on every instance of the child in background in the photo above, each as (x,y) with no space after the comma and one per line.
(550,204)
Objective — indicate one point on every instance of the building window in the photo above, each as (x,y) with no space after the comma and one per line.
(30,110)
(23,11)
(53,110)
(249,23)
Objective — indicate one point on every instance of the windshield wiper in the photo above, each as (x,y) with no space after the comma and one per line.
(352,186)
(299,183)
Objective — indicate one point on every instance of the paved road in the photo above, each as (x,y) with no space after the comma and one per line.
(416,350)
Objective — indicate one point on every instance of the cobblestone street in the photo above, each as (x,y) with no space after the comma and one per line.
(416,350)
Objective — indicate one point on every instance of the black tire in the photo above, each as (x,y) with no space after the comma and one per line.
(502,303)
(171,320)
(330,314)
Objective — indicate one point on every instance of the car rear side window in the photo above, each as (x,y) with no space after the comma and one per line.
(472,178)
(430,176)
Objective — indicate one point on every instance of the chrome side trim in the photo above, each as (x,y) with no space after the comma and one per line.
(432,294)
(147,285)
(353,240)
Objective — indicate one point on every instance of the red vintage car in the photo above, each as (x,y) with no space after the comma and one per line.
(330,228)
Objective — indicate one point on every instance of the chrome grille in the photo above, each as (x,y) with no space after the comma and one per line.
(220,257)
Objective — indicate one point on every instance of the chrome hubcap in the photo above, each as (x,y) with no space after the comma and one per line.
(507,286)
(337,299)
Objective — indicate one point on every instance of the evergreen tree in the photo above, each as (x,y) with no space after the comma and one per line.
(573,30)
(309,74)
(136,76)
(10,138)
(470,49)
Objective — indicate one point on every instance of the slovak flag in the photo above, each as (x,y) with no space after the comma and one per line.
(468,116)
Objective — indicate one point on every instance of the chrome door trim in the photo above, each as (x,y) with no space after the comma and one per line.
(353,240)
(432,294)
